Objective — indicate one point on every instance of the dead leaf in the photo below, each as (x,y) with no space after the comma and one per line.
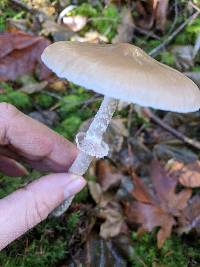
(107,175)
(187,174)
(114,222)
(195,76)
(166,152)
(140,192)
(20,54)
(102,199)
(125,29)
(161,14)
(33,87)
(91,37)
(159,207)
(44,6)
(183,56)
(152,12)
(190,217)
(58,32)
(58,85)
(109,210)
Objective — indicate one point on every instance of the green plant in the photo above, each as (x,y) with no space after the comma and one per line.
(69,127)
(72,221)
(8,12)
(85,10)
(17,98)
(167,58)
(107,22)
(146,252)
(44,100)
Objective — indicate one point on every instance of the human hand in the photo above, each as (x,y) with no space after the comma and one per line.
(24,139)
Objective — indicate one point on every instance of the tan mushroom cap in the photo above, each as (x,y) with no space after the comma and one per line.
(123,71)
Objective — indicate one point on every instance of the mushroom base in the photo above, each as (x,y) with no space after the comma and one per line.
(91,145)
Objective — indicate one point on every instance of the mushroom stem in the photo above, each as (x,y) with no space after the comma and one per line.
(91,145)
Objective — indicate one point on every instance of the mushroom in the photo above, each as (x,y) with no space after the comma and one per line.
(119,72)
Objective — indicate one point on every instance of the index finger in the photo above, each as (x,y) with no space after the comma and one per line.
(35,142)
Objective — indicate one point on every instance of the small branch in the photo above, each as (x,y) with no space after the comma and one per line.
(171,130)
(22,5)
(156,50)
(31,10)
(194,6)
(147,33)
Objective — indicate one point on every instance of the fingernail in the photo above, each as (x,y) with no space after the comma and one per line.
(74,186)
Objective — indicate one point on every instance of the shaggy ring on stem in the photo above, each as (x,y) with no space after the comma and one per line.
(91,144)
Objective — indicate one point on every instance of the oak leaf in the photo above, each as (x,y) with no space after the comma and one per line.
(190,216)
(187,174)
(20,54)
(158,207)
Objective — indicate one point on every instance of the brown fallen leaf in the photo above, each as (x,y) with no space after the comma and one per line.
(107,175)
(187,174)
(91,37)
(20,54)
(159,207)
(195,76)
(31,88)
(125,29)
(183,56)
(152,12)
(161,14)
(114,221)
(109,210)
(101,198)
(190,216)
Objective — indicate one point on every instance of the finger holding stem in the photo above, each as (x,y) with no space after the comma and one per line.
(91,144)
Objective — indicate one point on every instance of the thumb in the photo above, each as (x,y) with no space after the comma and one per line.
(26,207)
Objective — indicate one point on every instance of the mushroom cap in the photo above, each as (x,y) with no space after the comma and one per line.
(123,71)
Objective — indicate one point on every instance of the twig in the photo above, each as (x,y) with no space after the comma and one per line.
(147,33)
(194,6)
(156,50)
(31,10)
(175,18)
(171,130)
(22,5)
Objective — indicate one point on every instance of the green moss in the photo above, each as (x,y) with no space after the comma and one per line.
(146,253)
(85,10)
(70,103)
(82,196)
(44,101)
(196,69)
(6,86)
(108,21)
(69,127)
(6,12)
(3,98)
(19,99)
(16,98)
(9,184)
(167,58)
(72,221)
(43,246)
(194,27)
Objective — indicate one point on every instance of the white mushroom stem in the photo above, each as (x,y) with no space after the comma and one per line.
(91,145)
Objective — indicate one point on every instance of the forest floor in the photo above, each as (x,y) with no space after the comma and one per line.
(153,154)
